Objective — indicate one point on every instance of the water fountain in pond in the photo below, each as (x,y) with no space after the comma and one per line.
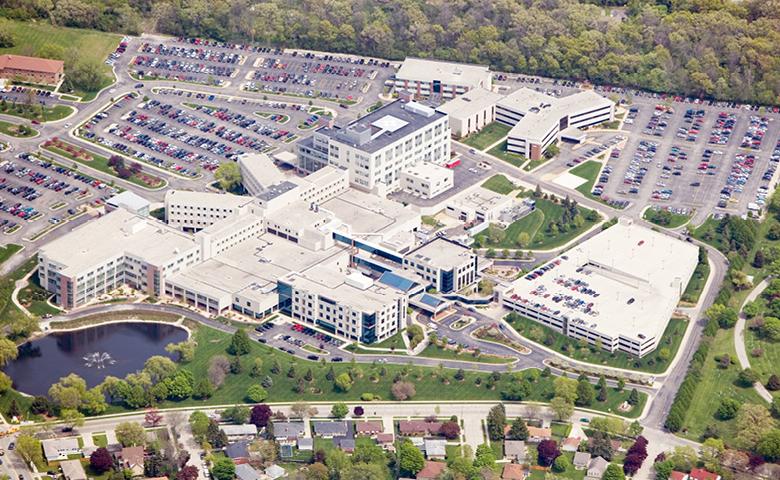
(98,360)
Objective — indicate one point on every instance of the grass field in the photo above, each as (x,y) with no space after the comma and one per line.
(653,363)
(696,283)
(7,251)
(435,351)
(429,382)
(12,129)
(48,114)
(499,184)
(486,137)
(769,361)
(499,151)
(100,439)
(99,162)
(675,220)
(570,474)
(706,233)
(536,225)
(89,45)
(33,297)
(589,171)
(535,163)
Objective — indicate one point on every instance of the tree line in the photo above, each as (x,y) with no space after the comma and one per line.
(712,48)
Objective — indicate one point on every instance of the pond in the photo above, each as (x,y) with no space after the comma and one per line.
(93,353)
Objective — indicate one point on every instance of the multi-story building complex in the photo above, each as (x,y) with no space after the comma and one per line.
(258,172)
(31,69)
(470,112)
(117,249)
(540,120)
(446,265)
(447,79)
(478,205)
(197,210)
(427,180)
(617,289)
(377,147)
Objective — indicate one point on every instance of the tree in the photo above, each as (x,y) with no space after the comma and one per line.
(236,414)
(601,446)
(633,397)
(562,408)
(566,388)
(410,458)
(260,415)
(239,343)
(711,451)
(403,390)
(29,448)
(561,464)
(548,452)
(203,389)
(223,469)
(727,409)
(256,393)
(219,366)
(159,368)
(72,418)
(339,410)
(101,460)
(621,384)
(316,471)
(257,367)
(343,382)
(450,430)
(187,472)
(771,329)
(8,351)
(496,420)
(199,424)
(152,417)
(663,469)
(725,316)
(518,430)
(228,175)
(585,394)
(484,457)
(216,437)
(130,434)
(747,377)
(753,423)
(6,38)
(68,392)
(517,391)
(613,472)
(185,350)
(773,383)
(769,445)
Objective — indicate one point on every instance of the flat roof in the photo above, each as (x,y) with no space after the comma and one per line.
(384,126)
(369,214)
(128,199)
(470,103)
(220,200)
(449,73)
(261,168)
(273,191)
(428,171)
(441,253)
(117,233)
(481,199)
(625,281)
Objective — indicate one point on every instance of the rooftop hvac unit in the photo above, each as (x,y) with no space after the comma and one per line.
(419,109)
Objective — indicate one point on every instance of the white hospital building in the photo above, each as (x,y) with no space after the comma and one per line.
(618,288)
(448,79)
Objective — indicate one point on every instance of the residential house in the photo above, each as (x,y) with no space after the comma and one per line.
(347,445)
(288,432)
(570,444)
(60,448)
(597,468)
(246,431)
(409,428)
(515,450)
(386,441)
(537,434)
(435,449)
(581,460)
(244,471)
(617,446)
(701,474)
(73,470)
(132,458)
(305,443)
(238,451)
(675,475)
(330,429)
(431,470)
(275,471)
(369,428)
(514,471)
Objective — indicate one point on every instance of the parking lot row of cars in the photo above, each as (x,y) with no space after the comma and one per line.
(723,128)
(248,123)
(170,65)
(659,121)
(193,53)
(596,150)
(692,124)
(85,179)
(754,135)
(120,50)
(637,168)
(741,168)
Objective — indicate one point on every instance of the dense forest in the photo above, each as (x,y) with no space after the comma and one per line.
(716,48)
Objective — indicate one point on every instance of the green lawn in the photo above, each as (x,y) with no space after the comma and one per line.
(589,171)
(570,474)
(33,297)
(7,251)
(434,351)
(665,219)
(499,151)
(429,382)
(89,45)
(12,129)
(100,439)
(536,225)
(706,233)
(99,162)
(394,342)
(656,362)
(499,184)
(696,283)
(560,430)
(535,163)
(486,137)
(36,112)
(717,384)
(769,361)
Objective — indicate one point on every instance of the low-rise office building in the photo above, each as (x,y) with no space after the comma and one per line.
(197,210)
(478,205)
(447,265)
(427,180)
(258,172)
(44,71)
(470,112)
(617,289)
(434,77)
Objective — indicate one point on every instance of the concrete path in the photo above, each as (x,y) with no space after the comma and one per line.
(739,338)
(18,286)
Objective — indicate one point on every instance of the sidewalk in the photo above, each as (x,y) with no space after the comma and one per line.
(739,338)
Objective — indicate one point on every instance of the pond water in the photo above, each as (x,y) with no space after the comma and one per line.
(92,353)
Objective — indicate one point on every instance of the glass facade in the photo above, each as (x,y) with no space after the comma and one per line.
(285,298)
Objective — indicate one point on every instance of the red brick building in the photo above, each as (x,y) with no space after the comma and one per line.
(31,69)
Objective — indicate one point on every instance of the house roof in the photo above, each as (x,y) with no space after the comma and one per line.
(436,448)
(305,443)
(581,459)
(598,464)
(385,437)
(330,428)
(675,475)
(515,448)
(245,471)
(238,449)
(513,471)
(347,444)
(701,474)
(431,470)
(132,456)
(539,432)
(288,429)
(571,442)
(369,427)
(32,64)
(245,429)
(73,470)
(53,447)
(407,427)
(275,471)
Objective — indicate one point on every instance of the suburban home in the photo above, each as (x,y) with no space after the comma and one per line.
(597,468)
(431,470)
(305,443)
(288,432)
(410,428)
(238,451)
(514,471)
(369,428)
(386,441)
(515,450)
(73,470)
(60,448)
(570,444)
(617,446)
(581,460)
(132,458)
(275,471)
(330,429)
(245,471)
(347,445)
(701,474)
(537,434)
(246,431)
(435,449)
(675,475)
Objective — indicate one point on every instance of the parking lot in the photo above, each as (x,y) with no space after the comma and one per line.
(295,338)
(207,63)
